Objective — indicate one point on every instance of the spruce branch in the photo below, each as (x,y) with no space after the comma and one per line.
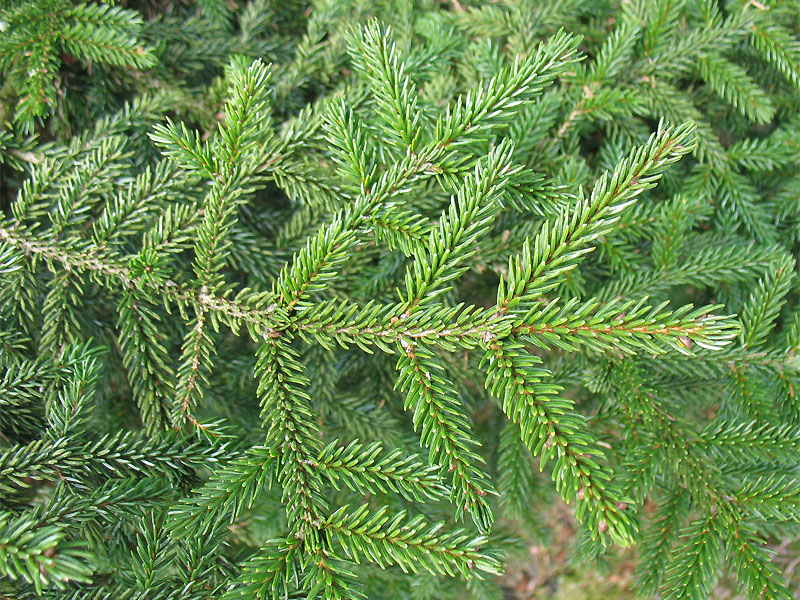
(733,84)
(560,245)
(625,326)
(375,56)
(232,488)
(710,264)
(127,214)
(517,479)
(146,360)
(762,307)
(251,309)
(693,572)
(292,434)
(778,49)
(329,577)
(444,430)
(380,325)
(186,147)
(606,66)
(656,549)
(453,242)
(358,198)
(21,465)
(103,33)
(41,555)
(42,31)
(750,440)
(410,544)
(353,152)
(271,573)
(771,498)
(469,118)
(366,469)
(81,189)
(128,454)
(245,120)
(551,428)
(758,576)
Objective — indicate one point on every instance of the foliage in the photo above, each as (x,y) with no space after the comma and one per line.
(295,299)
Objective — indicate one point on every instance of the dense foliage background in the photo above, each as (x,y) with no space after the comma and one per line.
(299,298)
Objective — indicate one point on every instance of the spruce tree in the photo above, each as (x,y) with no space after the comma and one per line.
(331,300)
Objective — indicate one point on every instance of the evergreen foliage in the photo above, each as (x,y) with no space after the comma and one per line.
(298,300)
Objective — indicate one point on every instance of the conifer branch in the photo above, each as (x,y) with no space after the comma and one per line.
(550,428)
(332,580)
(559,246)
(472,114)
(292,435)
(381,324)
(694,569)
(758,576)
(733,84)
(246,116)
(409,544)
(364,193)
(625,326)
(270,573)
(778,49)
(751,441)
(444,430)
(656,550)
(374,54)
(146,359)
(39,554)
(231,489)
(765,302)
(115,272)
(353,152)
(363,469)
(469,217)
